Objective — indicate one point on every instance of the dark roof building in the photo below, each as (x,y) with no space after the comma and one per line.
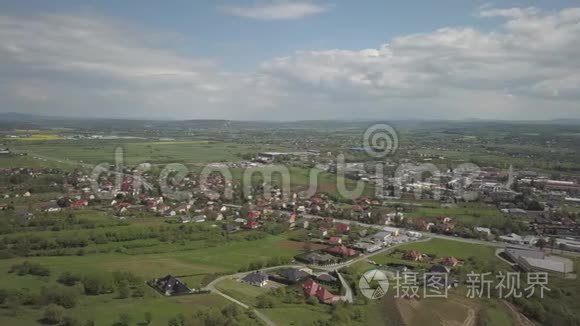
(439,269)
(326,278)
(294,275)
(170,285)
(256,278)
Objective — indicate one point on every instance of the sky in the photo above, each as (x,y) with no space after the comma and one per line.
(291,59)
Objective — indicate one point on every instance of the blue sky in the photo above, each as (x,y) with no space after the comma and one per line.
(274,59)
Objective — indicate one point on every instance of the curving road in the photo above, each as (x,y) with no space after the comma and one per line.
(347,296)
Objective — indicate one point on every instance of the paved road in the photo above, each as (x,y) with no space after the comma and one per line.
(348,293)
(211,287)
(347,297)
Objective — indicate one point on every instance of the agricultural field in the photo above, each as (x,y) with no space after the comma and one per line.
(134,151)
(468,214)
(195,261)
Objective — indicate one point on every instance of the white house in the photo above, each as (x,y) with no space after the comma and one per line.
(482,230)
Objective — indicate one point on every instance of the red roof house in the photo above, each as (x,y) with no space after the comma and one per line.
(325,296)
(310,288)
(253,214)
(79,204)
(342,227)
(413,255)
(251,225)
(335,240)
(450,261)
(342,251)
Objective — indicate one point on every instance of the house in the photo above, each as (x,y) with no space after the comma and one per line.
(79,204)
(342,251)
(256,278)
(450,261)
(515,212)
(251,225)
(382,236)
(393,231)
(414,234)
(184,219)
(199,218)
(441,269)
(335,240)
(294,275)
(413,255)
(478,229)
(313,289)
(24,215)
(230,228)
(444,219)
(170,285)
(325,296)
(303,223)
(511,238)
(342,228)
(367,246)
(326,278)
(316,258)
(254,214)
(290,219)
(310,288)
(50,208)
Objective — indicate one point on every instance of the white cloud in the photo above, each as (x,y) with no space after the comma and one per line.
(533,54)
(84,65)
(277,10)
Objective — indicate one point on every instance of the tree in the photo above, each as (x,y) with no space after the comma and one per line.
(124,320)
(148,318)
(312,301)
(59,295)
(67,278)
(124,290)
(541,243)
(552,244)
(53,314)
(97,284)
(70,321)
(265,301)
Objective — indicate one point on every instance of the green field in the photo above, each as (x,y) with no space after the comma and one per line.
(193,265)
(135,152)
(468,214)
(241,291)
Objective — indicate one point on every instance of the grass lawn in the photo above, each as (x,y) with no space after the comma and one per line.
(469,214)
(297,315)
(192,265)
(136,151)
(105,309)
(300,179)
(241,291)
(226,258)
(459,250)
(497,313)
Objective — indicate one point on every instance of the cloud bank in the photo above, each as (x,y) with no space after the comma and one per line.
(526,68)
(278,10)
